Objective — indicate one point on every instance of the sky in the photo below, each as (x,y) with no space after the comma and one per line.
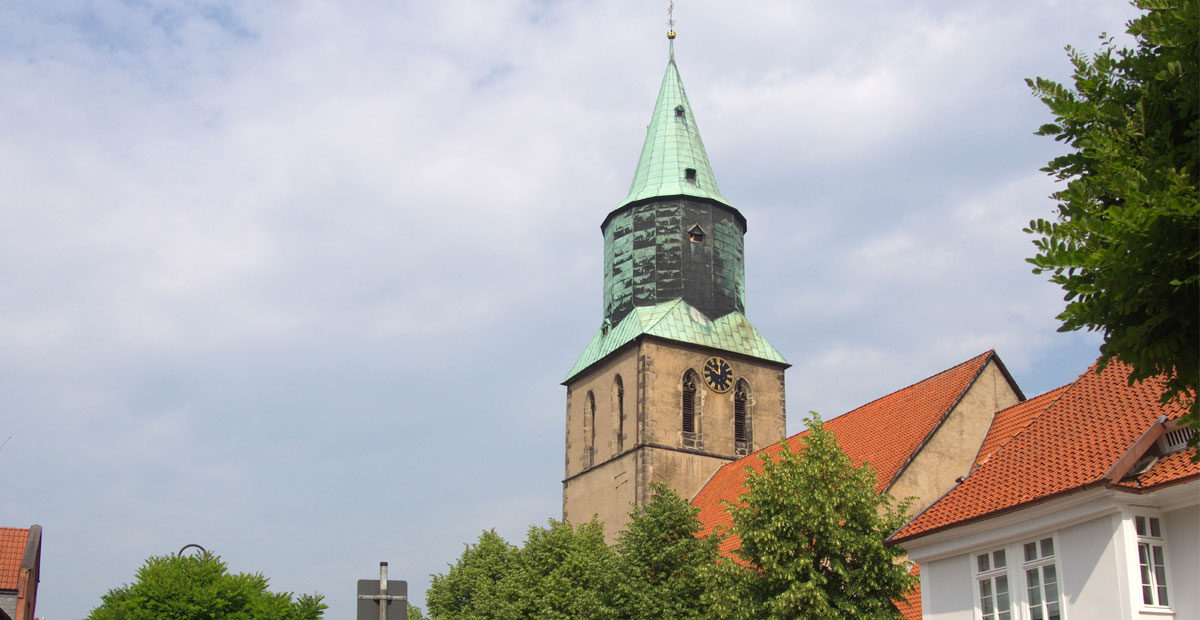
(299,282)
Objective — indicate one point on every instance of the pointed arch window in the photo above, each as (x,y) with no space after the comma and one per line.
(589,430)
(743,435)
(619,398)
(690,411)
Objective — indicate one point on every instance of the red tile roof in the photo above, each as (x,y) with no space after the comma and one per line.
(1070,443)
(886,433)
(1009,422)
(12,550)
(910,605)
(1172,468)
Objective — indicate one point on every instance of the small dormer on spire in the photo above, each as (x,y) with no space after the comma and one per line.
(673,160)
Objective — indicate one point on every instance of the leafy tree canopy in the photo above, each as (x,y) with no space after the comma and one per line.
(1125,245)
(812,530)
(561,572)
(199,587)
(664,569)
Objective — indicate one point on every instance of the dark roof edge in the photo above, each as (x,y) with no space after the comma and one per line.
(585,369)
(893,540)
(716,203)
(991,356)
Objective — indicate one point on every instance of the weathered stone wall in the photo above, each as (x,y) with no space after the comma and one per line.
(952,449)
(663,365)
(600,381)
(649,447)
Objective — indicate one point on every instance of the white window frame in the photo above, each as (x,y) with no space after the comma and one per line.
(989,576)
(1016,577)
(1150,541)
(1040,560)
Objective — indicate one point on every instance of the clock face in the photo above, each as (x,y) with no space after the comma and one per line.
(718,376)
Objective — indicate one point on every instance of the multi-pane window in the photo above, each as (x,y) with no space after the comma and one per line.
(1152,560)
(1041,580)
(991,578)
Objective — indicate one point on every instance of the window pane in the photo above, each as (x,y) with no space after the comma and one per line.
(1035,613)
(1047,547)
(1051,591)
(1005,614)
(1053,614)
(1049,574)
(1140,525)
(1154,531)
(1147,595)
(998,559)
(985,589)
(1002,603)
(1030,552)
(1034,587)
(984,565)
(1002,585)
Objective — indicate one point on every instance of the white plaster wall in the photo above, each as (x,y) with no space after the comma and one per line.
(948,589)
(1091,574)
(1183,560)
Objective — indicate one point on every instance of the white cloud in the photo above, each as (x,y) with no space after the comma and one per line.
(252,255)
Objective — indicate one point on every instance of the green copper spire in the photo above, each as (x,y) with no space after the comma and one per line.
(673,160)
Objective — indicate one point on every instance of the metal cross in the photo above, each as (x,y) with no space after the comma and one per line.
(383,598)
(671,16)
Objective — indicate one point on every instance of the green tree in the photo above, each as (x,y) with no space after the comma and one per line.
(1125,245)
(564,572)
(665,569)
(199,587)
(474,586)
(561,572)
(812,532)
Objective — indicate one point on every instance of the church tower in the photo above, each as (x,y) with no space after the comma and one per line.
(676,382)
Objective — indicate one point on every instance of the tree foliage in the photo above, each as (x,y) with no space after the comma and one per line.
(811,527)
(199,587)
(664,569)
(1125,245)
(561,572)
(812,532)
(658,569)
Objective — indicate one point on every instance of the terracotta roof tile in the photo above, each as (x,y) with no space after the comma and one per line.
(909,415)
(910,605)
(1009,422)
(12,550)
(1070,444)
(1174,467)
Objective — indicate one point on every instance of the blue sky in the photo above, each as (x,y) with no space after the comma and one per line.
(299,281)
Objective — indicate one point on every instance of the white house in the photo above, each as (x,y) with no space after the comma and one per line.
(1083,503)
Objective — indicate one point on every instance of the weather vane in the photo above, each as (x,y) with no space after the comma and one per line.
(671,20)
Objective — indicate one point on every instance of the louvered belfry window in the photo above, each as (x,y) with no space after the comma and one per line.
(620,394)
(589,430)
(741,421)
(689,403)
